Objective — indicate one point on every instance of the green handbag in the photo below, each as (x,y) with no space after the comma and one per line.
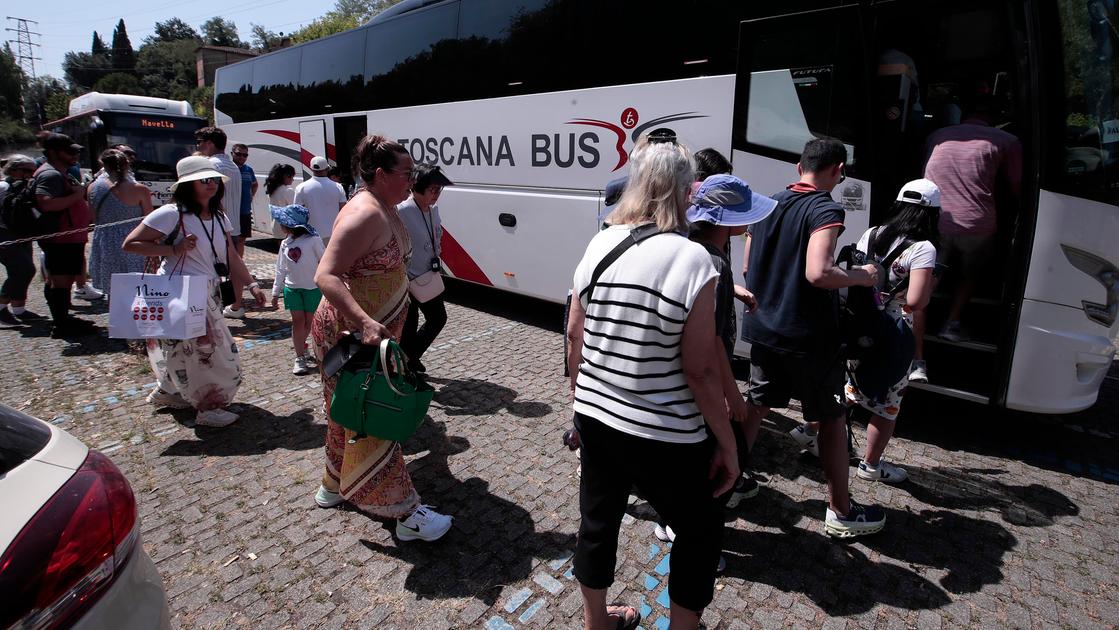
(377,401)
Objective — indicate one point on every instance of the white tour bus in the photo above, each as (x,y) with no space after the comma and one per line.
(160,130)
(532,105)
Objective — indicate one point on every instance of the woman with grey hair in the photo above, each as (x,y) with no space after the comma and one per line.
(18,260)
(641,333)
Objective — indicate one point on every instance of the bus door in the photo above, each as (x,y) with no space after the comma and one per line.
(312,142)
(802,76)
(348,131)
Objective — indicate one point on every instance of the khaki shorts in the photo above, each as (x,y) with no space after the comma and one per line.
(966,253)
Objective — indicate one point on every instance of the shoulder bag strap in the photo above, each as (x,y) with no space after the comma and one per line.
(888,261)
(635,236)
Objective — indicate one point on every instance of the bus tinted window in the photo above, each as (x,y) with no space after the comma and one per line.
(333,74)
(233,90)
(406,60)
(276,82)
(1091,121)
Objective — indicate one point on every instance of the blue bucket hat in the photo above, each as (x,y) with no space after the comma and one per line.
(293,216)
(727,200)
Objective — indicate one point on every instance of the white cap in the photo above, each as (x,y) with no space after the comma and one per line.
(319,163)
(921,192)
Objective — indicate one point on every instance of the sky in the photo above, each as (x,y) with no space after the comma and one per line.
(68,25)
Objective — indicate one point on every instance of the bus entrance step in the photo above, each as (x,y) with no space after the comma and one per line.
(968,345)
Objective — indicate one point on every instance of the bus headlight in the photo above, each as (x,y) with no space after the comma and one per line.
(1106,273)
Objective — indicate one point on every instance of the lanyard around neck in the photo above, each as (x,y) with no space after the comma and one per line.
(429,225)
(211,233)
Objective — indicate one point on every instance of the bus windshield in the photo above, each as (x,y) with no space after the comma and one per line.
(160,141)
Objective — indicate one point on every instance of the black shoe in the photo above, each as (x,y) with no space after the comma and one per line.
(417,367)
(29,316)
(8,319)
(72,328)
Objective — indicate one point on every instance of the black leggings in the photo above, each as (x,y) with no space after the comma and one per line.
(673,479)
(414,342)
(19,262)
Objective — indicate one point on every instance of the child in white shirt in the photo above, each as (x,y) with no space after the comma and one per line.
(296,264)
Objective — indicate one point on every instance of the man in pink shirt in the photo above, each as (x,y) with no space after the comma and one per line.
(969,162)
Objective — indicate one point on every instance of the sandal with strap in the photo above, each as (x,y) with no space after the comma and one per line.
(628,616)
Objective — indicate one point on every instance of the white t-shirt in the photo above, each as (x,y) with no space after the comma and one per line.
(200,260)
(282,196)
(297,262)
(919,255)
(322,197)
(231,200)
(631,376)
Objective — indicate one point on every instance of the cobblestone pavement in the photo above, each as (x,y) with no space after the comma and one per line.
(1006,521)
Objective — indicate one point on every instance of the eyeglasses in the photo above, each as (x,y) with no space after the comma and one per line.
(411,173)
(208,180)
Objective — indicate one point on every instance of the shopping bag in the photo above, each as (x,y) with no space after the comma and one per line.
(145,306)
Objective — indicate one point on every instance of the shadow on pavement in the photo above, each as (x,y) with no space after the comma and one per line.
(519,308)
(492,543)
(475,397)
(960,489)
(257,431)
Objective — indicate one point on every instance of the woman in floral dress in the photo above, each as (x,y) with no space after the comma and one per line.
(363,279)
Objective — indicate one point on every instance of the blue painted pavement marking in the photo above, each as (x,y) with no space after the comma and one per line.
(517,599)
(559,562)
(530,611)
(497,623)
(112,400)
(651,582)
(661,623)
(550,584)
(662,566)
(88,408)
(644,608)
(570,574)
(663,599)
(653,551)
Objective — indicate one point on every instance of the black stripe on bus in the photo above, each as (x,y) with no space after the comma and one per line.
(638,307)
(641,424)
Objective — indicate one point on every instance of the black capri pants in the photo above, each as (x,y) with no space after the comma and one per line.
(19,262)
(673,479)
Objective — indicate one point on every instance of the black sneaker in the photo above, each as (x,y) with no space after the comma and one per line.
(861,520)
(746,488)
(8,319)
(417,367)
(29,316)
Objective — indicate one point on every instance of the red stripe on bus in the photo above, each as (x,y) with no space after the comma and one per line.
(305,156)
(459,262)
(286,135)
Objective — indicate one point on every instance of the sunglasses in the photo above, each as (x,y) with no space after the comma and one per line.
(662,136)
(208,180)
(239,154)
(411,174)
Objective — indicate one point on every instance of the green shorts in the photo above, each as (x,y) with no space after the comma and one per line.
(306,300)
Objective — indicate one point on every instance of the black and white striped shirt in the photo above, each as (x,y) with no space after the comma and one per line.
(631,376)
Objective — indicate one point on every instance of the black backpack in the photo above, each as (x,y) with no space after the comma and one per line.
(20,214)
(882,344)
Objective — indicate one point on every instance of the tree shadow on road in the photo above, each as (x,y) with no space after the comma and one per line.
(493,542)
(257,431)
(475,397)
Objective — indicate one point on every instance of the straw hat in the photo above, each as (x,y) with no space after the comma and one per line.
(194,168)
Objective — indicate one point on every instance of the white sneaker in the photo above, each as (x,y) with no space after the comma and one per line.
(424,524)
(664,533)
(884,471)
(88,292)
(300,367)
(806,441)
(234,313)
(917,373)
(160,398)
(215,418)
(312,362)
(326,499)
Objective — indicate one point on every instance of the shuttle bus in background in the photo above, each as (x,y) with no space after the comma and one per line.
(531,106)
(160,130)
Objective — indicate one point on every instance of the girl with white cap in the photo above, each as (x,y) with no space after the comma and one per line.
(193,235)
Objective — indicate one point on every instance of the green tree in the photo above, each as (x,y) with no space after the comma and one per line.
(98,47)
(172,30)
(83,69)
(202,100)
(263,39)
(217,31)
(36,99)
(119,83)
(167,69)
(11,85)
(122,55)
(58,106)
(328,24)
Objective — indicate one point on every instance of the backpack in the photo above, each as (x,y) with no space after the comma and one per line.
(881,344)
(20,214)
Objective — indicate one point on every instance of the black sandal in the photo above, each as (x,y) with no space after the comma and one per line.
(625,621)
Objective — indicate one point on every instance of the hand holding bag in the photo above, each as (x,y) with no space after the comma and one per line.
(144,305)
(426,287)
(379,401)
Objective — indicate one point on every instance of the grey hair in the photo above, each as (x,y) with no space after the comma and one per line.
(17,160)
(661,175)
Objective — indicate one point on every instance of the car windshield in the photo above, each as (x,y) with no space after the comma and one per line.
(21,437)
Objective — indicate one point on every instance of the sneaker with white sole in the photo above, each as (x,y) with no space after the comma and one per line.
(746,488)
(326,499)
(664,533)
(952,331)
(160,398)
(917,372)
(806,441)
(300,367)
(215,418)
(88,292)
(861,520)
(311,360)
(424,524)
(234,313)
(884,471)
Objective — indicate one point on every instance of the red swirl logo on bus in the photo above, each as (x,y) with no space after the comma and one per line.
(628,120)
